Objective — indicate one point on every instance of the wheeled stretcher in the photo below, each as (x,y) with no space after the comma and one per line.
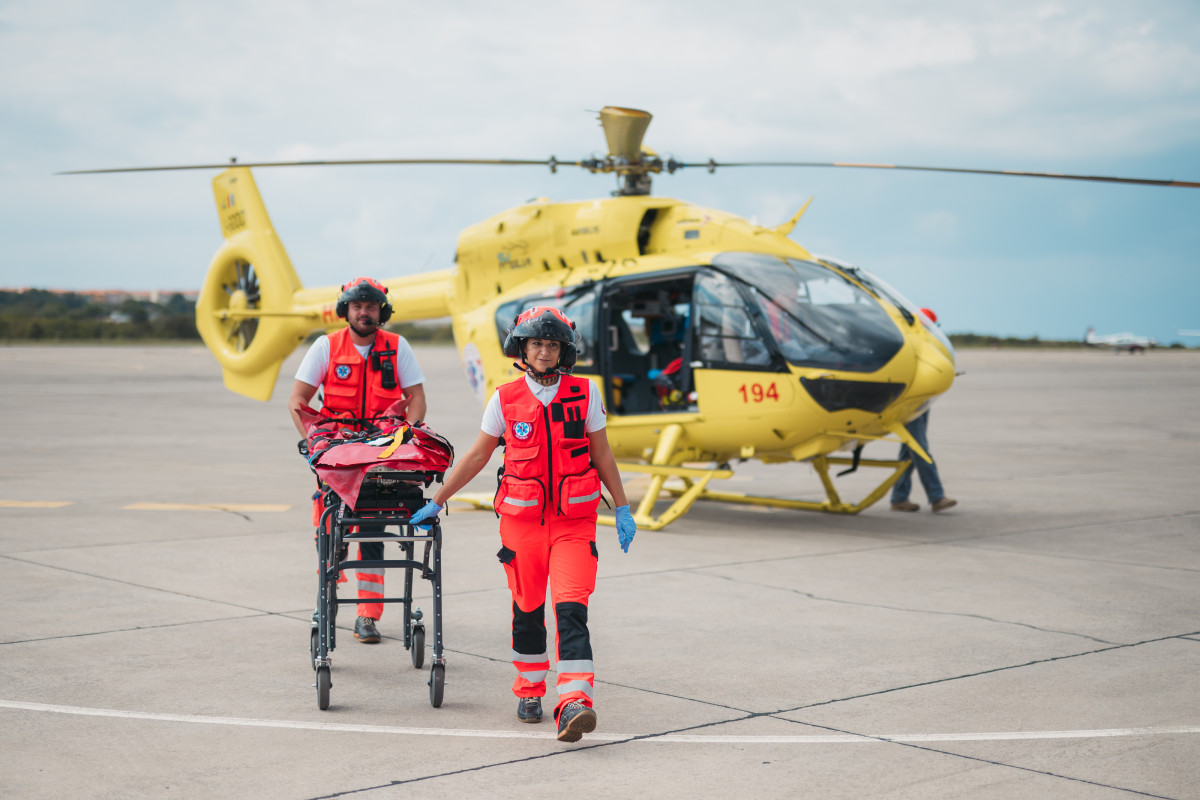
(372,479)
(342,526)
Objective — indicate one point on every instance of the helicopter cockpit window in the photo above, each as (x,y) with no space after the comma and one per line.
(900,301)
(726,333)
(817,317)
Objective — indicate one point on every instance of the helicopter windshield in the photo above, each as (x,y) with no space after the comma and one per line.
(817,317)
(897,299)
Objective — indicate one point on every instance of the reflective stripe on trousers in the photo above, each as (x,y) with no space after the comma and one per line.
(562,552)
(370,581)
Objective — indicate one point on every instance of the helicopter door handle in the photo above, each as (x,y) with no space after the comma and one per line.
(614,339)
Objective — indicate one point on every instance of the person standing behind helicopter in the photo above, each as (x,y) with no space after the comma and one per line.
(926,470)
(363,370)
(556,455)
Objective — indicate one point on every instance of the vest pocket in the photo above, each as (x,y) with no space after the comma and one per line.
(579,495)
(333,389)
(522,498)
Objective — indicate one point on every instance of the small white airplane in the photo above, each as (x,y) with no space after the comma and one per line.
(1118,342)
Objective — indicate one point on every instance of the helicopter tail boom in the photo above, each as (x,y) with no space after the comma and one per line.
(252,311)
(246,312)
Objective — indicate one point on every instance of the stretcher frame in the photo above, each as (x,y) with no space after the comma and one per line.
(334,537)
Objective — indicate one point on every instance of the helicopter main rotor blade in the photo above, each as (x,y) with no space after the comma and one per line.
(551,162)
(670,166)
(711,166)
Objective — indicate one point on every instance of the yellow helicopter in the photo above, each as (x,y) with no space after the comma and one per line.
(713,339)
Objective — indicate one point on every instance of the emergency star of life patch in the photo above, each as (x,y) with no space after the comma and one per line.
(522,430)
(342,371)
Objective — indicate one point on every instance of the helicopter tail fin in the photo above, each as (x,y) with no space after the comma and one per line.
(246,312)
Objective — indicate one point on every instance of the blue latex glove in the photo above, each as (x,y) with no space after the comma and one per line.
(626,527)
(430,509)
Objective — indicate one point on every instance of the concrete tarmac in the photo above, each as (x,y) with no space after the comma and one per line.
(157,573)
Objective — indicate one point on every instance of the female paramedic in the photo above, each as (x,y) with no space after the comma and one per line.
(556,454)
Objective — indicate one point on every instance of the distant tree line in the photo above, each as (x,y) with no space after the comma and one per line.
(37,315)
(40,316)
(984,340)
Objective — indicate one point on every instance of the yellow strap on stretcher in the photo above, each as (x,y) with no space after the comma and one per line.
(397,440)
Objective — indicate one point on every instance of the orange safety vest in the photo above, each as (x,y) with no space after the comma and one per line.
(547,464)
(354,385)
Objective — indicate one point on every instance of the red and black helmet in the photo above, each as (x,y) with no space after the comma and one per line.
(364,290)
(543,322)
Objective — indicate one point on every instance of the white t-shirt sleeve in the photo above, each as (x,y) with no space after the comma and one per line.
(596,419)
(407,368)
(315,366)
(493,417)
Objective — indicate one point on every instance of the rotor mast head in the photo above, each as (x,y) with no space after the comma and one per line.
(623,130)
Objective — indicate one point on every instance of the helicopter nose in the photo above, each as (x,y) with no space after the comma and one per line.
(933,372)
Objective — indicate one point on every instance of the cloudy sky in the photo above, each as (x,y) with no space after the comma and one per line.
(1079,86)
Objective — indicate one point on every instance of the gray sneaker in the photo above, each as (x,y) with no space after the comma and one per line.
(365,630)
(529,709)
(574,721)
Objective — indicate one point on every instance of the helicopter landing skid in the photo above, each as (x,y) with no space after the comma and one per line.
(695,483)
(695,480)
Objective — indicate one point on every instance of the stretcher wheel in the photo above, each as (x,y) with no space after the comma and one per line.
(437,684)
(418,646)
(312,648)
(323,684)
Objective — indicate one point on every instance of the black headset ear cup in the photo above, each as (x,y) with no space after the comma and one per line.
(512,345)
(567,359)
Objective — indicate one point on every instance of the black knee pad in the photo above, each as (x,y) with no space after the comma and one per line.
(574,643)
(529,630)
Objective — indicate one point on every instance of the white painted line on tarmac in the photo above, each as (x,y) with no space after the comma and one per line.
(341,727)
(244,508)
(35,503)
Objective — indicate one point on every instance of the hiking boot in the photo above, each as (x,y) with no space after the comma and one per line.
(908,505)
(529,709)
(365,630)
(574,721)
(944,503)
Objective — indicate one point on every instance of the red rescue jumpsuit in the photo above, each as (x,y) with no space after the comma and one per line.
(547,502)
(354,386)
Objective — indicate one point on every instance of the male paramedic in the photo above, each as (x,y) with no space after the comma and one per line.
(555,456)
(363,370)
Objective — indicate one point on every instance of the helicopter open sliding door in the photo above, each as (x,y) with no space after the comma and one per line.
(646,347)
